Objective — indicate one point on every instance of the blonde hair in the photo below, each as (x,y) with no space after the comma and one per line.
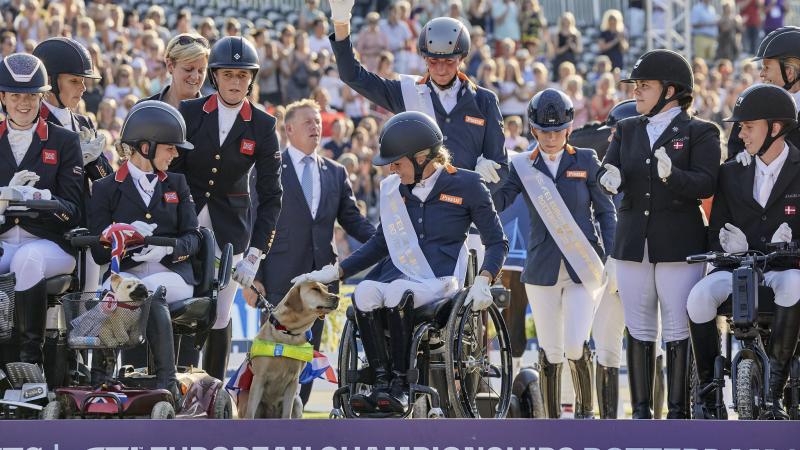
(616,15)
(571,28)
(442,156)
(176,52)
(291,108)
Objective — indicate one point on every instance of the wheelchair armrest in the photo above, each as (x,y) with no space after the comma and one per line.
(225,266)
(501,296)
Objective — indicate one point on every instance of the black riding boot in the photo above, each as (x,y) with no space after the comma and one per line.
(641,357)
(678,379)
(581,370)
(706,348)
(550,384)
(216,351)
(31,309)
(785,329)
(607,380)
(400,322)
(159,339)
(373,339)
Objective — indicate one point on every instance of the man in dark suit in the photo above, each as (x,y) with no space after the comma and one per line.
(754,205)
(317,193)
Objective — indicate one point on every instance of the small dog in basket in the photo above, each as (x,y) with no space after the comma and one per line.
(272,392)
(124,311)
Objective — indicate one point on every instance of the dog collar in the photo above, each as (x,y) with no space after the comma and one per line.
(111,299)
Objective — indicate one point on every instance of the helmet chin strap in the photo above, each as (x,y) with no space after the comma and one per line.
(448,85)
(19,125)
(768,141)
(419,168)
(56,93)
(786,83)
(662,100)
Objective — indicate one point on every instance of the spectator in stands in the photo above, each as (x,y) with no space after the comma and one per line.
(232,27)
(208,29)
(319,37)
(299,69)
(514,94)
(338,143)
(327,114)
(605,97)
(487,76)
(506,20)
(567,43)
(533,25)
(456,12)
(730,30)
(750,10)
(513,131)
(86,32)
(704,29)
(106,113)
(122,84)
(309,14)
(30,24)
(269,82)
(573,87)
(774,13)
(371,41)
(565,70)
(8,44)
(523,58)
(157,15)
(612,38)
(286,44)
(541,77)
(602,65)
(480,53)
(355,106)
(478,14)
(183,22)
(396,31)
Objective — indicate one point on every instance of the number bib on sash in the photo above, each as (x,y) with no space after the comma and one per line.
(562,226)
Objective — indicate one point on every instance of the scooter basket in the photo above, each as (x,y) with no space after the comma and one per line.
(98,320)
(7,282)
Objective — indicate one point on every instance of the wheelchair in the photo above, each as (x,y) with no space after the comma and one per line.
(749,311)
(460,360)
(133,392)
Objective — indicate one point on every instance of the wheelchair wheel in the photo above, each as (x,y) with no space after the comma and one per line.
(480,358)
(749,386)
(53,411)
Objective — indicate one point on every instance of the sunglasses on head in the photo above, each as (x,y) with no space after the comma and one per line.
(186,40)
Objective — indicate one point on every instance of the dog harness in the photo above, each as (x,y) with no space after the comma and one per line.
(304,352)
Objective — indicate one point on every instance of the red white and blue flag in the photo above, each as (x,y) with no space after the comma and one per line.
(119,235)
(319,367)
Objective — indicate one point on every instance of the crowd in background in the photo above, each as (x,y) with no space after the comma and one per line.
(515,52)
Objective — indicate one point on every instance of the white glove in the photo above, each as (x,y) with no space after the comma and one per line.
(664,163)
(340,10)
(610,275)
(744,158)
(782,234)
(611,179)
(152,253)
(480,294)
(327,274)
(24,178)
(91,146)
(487,169)
(145,229)
(732,239)
(245,271)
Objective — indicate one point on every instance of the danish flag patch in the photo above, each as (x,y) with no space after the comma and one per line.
(247,147)
(678,145)
(790,210)
(171,197)
(49,156)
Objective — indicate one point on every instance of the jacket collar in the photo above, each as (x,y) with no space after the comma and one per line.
(211,105)
(535,153)
(41,129)
(123,172)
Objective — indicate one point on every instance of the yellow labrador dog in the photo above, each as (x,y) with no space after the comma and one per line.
(272,393)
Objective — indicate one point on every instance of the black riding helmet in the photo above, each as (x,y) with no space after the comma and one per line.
(62,55)
(405,135)
(233,52)
(766,102)
(780,44)
(668,67)
(21,73)
(550,110)
(156,123)
(621,110)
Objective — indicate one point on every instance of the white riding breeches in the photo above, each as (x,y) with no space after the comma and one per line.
(32,258)
(608,330)
(563,316)
(710,292)
(153,275)
(371,295)
(647,288)
(226,296)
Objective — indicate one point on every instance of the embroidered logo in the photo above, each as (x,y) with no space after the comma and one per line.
(247,147)
(576,174)
(475,121)
(796,195)
(451,199)
(639,61)
(50,157)
(171,197)
(678,145)
(790,210)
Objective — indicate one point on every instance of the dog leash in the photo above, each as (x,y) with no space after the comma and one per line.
(262,303)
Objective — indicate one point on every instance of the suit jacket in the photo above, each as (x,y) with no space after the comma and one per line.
(664,213)
(576,182)
(96,169)
(218,175)
(116,200)
(734,203)
(473,128)
(55,155)
(304,243)
(441,223)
